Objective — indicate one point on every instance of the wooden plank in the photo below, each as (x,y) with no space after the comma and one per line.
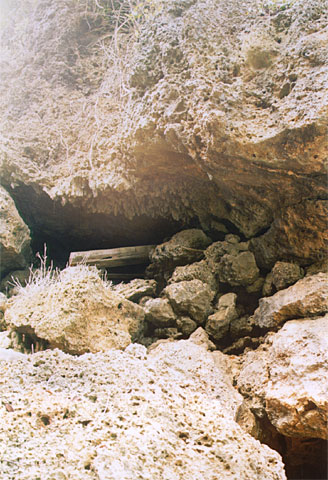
(124,277)
(114,257)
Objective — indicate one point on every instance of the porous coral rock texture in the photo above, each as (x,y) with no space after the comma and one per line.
(15,237)
(287,378)
(114,415)
(76,311)
(216,112)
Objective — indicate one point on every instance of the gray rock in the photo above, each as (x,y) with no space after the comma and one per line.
(136,289)
(186,325)
(238,270)
(169,332)
(14,236)
(183,248)
(159,312)
(285,274)
(196,271)
(305,298)
(215,252)
(241,327)
(192,298)
(218,324)
(268,288)
(230,238)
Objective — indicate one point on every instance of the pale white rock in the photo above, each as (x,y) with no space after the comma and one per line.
(112,415)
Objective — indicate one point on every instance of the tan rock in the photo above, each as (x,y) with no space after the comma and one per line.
(287,378)
(159,312)
(306,297)
(196,271)
(136,289)
(76,312)
(218,324)
(238,269)
(124,415)
(297,392)
(192,298)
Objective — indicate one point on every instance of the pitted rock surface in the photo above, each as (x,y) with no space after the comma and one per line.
(114,415)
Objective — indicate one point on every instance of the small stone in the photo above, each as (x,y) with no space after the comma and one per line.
(285,274)
(230,238)
(241,327)
(159,312)
(186,325)
(200,337)
(196,271)
(136,289)
(256,286)
(268,288)
(167,333)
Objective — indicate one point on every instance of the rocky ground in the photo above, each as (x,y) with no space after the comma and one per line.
(200,127)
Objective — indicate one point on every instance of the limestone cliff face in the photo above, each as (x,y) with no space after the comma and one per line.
(208,112)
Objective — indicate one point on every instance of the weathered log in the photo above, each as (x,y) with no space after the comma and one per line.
(114,257)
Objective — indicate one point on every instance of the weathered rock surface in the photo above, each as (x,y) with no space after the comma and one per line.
(285,274)
(191,298)
(306,297)
(77,312)
(218,324)
(115,415)
(238,269)
(196,271)
(14,236)
(136,289)
(200,133)
(183,248)
(288,378)
(159,312)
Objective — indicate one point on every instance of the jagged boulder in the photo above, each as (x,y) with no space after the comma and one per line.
(14,236)
(191,298)
(306,297)
(238,270)
(288,378)
(76,311)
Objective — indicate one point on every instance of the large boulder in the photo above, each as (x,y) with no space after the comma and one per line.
(15,237)
(288,378)
(127,415)
(192,298)
(306,297)
(76,311)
